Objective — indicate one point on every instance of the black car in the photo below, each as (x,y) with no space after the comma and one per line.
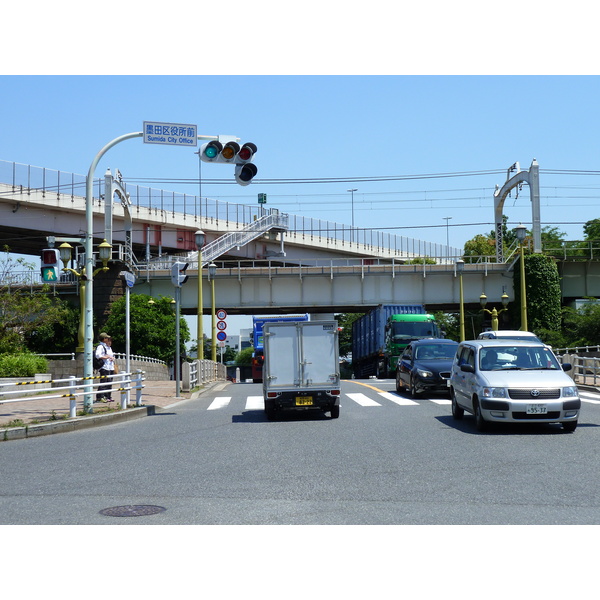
(425,366)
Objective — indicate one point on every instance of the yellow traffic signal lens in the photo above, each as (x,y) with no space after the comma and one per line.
(228,152)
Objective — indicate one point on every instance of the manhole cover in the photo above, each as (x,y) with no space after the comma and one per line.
(132,510)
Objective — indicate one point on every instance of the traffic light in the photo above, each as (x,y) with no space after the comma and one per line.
(211,151)
(50,265)
(178,276)
(231,152)
(245,173)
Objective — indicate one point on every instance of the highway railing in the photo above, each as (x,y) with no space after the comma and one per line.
(23,179)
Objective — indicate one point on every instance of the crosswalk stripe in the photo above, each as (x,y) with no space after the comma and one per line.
(219,402)
(363,400)
(589,397)
(398,399)
(255,403)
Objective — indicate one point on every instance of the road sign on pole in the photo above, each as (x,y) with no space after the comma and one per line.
(172,134)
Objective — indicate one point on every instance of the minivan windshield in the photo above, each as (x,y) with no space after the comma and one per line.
(499,358)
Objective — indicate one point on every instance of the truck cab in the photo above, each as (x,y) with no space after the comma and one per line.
(400,330)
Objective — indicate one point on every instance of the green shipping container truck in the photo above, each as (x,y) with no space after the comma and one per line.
(381,335)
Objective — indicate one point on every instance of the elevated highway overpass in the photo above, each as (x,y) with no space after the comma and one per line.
(307,265)
(36,203)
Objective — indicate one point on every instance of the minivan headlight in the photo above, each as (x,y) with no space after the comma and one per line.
(493,392)
(570,391)
(424,374)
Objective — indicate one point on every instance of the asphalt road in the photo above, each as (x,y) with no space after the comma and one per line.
(386,460)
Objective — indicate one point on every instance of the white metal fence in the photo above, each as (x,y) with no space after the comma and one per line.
(73,387)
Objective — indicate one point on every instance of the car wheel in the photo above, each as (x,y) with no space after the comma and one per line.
(270,411)
(570,426)
(398,384)
(335,412)
(480,422)
(413,389)
(457,412)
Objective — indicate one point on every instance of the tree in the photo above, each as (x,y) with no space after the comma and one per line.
(152,327)
(542,293)
(244,357)
(59,335)
(591,230)
(24,310)
(480,245)
(345,321)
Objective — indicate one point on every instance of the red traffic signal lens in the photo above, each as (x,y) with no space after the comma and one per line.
(50,257)
(247,152)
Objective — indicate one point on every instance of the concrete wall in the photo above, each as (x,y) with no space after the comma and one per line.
(63,369)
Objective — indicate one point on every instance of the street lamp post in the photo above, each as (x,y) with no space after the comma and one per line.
(494,312)
(212,271)
(200,237)
(521,232)
(352,231)
(460,267)
(104,253)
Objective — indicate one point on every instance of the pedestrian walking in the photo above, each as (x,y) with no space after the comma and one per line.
(105,353)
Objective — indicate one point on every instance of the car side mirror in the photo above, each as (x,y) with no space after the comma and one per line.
(567,366)
(467,368)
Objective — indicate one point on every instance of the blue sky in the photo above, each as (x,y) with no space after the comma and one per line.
(309,127)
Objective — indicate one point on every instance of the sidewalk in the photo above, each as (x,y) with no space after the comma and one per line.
(155,393)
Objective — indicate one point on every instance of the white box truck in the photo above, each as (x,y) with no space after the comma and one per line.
(301,368)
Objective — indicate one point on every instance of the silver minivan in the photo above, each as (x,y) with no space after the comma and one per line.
(512,334)
(512,381)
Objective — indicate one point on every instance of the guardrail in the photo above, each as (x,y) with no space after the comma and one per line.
(198,372)
(585,370)
(74,387)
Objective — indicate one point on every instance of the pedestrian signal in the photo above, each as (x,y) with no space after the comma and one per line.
(50,265)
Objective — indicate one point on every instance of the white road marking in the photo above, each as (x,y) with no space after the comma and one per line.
(219,402)
(398,399)
(255,403)
(363,400)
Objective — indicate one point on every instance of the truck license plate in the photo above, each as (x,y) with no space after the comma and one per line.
(304,400)
(537,409)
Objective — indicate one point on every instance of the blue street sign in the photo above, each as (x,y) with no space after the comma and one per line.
(172,134)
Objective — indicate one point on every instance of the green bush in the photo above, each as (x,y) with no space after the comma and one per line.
(22,365)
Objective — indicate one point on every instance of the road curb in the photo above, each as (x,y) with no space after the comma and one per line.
(51,427)
(63,426)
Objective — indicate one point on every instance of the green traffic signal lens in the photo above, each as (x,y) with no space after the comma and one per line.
(211,150)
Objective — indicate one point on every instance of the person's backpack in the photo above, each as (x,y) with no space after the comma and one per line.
(97,363)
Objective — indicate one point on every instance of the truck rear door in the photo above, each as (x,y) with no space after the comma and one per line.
(319,357)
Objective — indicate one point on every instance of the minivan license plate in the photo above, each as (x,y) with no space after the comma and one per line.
(537,409)
(304,401)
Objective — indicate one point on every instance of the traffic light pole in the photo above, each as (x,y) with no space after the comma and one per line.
(88,346)
(88,339)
